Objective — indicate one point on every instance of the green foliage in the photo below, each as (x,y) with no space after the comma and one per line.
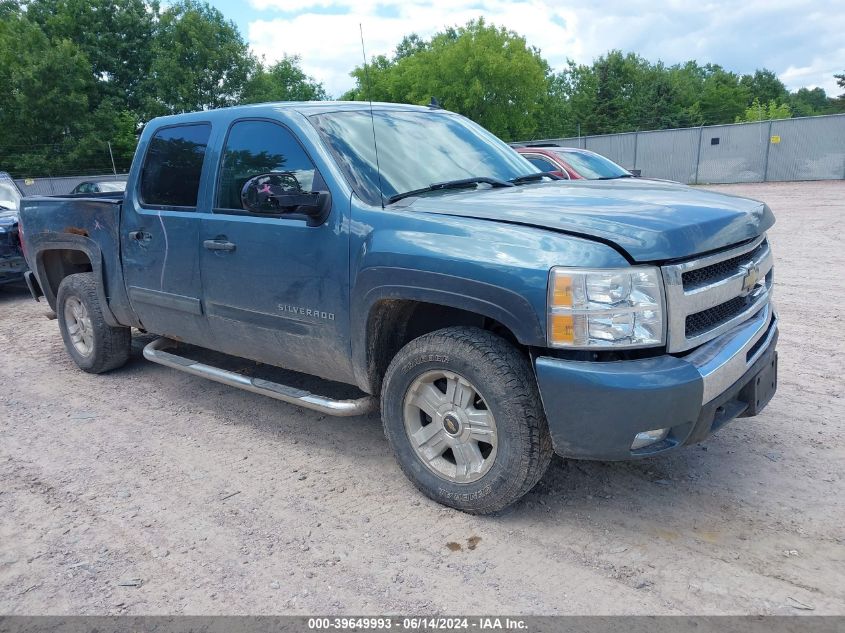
(46,88)
(806,102)
(115,35)
(765,86)
(764,112)
(199,61)
(282,81)
(80,75)
(487,73)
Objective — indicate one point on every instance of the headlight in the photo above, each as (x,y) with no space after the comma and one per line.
(599,308)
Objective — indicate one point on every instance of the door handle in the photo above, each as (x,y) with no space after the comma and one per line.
(218,245)
(140,236)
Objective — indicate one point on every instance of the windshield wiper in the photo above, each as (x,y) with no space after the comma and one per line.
(538,176)
(463,183)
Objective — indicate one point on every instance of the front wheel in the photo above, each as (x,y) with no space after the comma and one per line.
(462,413)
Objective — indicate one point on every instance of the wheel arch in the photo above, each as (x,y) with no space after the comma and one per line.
(396,306)
(56,259)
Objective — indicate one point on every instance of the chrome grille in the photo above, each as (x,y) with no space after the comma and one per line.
(709,295)
(719,270)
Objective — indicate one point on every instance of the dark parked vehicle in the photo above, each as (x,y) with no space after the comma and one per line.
(100,186)
(12,263)
(494,314)
(573,163)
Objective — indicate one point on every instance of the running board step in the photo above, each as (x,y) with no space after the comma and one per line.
(154,351)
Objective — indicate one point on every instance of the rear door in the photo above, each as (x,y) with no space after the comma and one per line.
(275,286)
(160,230)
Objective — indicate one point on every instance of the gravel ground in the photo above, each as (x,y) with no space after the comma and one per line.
(147,491)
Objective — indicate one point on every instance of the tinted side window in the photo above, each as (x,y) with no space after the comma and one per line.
(173,165)
(254,148)
(543,164)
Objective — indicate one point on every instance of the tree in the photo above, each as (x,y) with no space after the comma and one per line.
(282,81)
(840,81)
(723,97)
(764,112)
(115,36)
(806,102)
(487,73)
(765,86)
(44,97)
(200,61)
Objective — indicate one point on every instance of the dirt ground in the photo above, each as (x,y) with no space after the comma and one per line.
(148,491)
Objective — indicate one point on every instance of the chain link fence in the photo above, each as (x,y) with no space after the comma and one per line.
(809,148)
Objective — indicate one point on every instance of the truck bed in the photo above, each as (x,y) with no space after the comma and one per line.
(86,222)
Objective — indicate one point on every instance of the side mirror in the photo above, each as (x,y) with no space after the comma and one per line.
(280,193)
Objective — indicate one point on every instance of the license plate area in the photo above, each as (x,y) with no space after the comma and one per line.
(760,389)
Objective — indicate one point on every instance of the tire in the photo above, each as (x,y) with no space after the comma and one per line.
(486,376)
(94,346)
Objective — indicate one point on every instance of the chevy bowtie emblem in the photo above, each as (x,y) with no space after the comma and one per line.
(750,277)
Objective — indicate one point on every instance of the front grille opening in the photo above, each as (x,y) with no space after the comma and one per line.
(760,342)
(720,270)
(712,318)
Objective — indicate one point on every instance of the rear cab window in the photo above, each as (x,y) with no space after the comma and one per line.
(170,176)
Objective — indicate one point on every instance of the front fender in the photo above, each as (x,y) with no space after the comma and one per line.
(496,270)
(379,283)
(505,306)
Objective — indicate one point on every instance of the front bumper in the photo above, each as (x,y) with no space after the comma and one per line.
(595,409)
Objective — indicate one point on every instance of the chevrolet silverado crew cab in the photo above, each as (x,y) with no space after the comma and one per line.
(494,313)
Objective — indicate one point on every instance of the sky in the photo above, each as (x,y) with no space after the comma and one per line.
(802,41)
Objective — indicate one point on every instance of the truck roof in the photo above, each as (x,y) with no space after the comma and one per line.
(306,108)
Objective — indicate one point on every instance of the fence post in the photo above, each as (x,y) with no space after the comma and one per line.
(698,153)
(636,139)
(768,146)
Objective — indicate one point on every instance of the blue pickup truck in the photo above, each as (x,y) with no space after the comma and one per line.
(495,314)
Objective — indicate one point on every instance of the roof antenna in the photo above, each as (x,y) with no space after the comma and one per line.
(434,104)
(372,116)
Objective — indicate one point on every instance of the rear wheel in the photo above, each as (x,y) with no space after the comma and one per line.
(462,414)
(93,344)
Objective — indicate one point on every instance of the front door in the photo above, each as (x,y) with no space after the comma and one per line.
(275,286)
(159,234)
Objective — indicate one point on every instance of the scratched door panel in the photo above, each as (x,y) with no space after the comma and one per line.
(159,234)
(280,296)
(275,287)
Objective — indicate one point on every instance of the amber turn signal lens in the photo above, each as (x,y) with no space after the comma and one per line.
(562,291)
(562,328)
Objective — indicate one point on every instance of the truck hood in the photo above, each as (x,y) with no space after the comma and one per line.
(650,221)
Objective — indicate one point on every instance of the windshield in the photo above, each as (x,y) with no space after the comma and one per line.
(9,196)
(593,166)
(415,150)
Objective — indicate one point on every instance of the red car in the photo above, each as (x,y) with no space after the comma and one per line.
(573,163)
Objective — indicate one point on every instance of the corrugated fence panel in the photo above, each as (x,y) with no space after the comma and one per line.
(617,147)
(811,148)
(669,154)
(570,142)
(733,153)
(807,149)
